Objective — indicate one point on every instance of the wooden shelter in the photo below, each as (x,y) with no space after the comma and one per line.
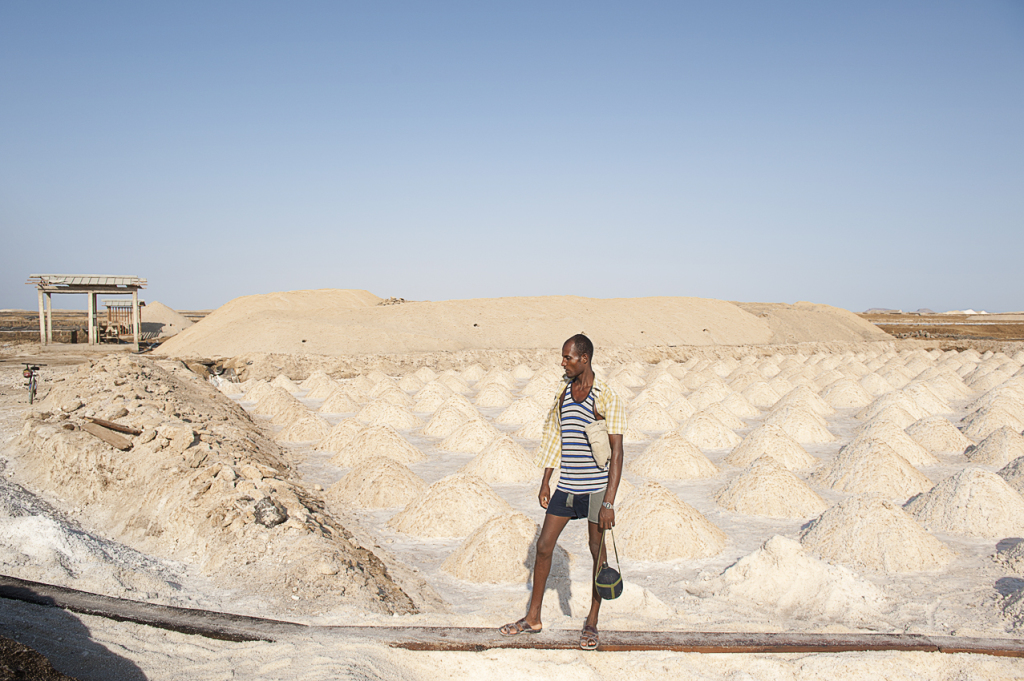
(91,285)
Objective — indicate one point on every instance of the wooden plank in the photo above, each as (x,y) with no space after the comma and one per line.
(115,426)
(474,639)
(110,437)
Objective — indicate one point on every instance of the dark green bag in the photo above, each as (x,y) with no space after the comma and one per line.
(608,581)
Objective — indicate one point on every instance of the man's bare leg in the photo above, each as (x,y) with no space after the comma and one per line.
(549,533)
(599,555)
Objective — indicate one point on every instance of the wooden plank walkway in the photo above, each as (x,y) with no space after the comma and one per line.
(241,628)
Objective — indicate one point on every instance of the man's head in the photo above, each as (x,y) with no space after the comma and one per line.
(576,355)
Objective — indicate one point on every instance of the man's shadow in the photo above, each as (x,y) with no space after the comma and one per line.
(61,638)
(558,578)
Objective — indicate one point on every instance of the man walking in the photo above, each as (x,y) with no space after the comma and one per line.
(584,490)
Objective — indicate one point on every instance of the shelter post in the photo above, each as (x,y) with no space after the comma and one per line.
(42,320)
(49,317)
(92,319)
(135,318)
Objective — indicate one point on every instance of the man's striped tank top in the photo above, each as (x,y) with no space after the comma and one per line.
(579,472)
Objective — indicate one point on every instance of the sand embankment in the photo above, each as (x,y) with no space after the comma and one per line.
(343,322)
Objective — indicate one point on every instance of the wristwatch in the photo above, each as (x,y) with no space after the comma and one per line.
(609,506)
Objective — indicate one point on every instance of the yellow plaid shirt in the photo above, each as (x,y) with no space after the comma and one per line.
(608,404)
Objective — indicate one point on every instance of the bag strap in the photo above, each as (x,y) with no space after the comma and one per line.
(614,547)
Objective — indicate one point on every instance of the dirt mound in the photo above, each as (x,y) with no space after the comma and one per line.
(452,507)
(159,321)
(770,440)
(377,441)
(766,488)
(188,489)
(377,482)
(1013,473)
(937,434)
(868,466)
(673,457)
(654,524)
(497,551)
(782,576)
(502,461)
(973,502)
(868,532)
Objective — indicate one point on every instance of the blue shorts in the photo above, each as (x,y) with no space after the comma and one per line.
(576,506)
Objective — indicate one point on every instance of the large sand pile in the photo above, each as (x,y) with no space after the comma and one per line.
(869,532)
(973,502)
(377,482)
(188,489)
(159,321)
(672,457)
(452,507)
(871,466)
(1013,473)
(766,488)
(783,577)
(333,322)
(497,551)
(654,524)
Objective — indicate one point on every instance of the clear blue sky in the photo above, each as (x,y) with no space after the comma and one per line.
(860,154)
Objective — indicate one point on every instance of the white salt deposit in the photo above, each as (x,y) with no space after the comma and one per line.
(473,372)
(522,372)
(394,395)
(454,383)
(521,411)
(286,384)
(802,424)
(937,434)
(672,457)
(497,551)
(987,420)
(532,430)
(899,440)
(494,395)
(806,399)
(681,409)
(1013,473)
(339,436)
(455,411)
(1011,557)
(846,394)
(471,437)
(739,406)
(724,416)
(868,466)
(654,524)
(972,502)
(897,398)
(875,385)
(377,441)
(707,432)
(452,507)
(289,413)
(339,402)
(411,383)
(383,412)
(502,461)
(377,482)
(781,576)
(710,392)
(766,488)
(927,400)
(426,374)
(307,428)
(770,440)
(496,376)
(652,416)
(273,400)
(869,532)
(761,395)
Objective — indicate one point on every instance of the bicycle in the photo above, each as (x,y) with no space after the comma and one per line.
(33,383)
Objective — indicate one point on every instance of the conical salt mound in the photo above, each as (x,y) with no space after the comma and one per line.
(426,374)
(738,406)
(383,385)
(895,415)
(339,402)
(652,416)
(378,482)
(724,416)
(532,430)
(339,436)
(973,502)
(497,551)
(801,424)
(927,400)
(901,443)
(377,441)
(471,437)
(766,488)
(783,577)
(307,428)
(522,372)
(897,399)
(411,383)
(286,384)
(382,412)
(521,411)
(496,376)
(712,391)
(654,524)
(867,466)
(231,389)
(681,409)
(494,395)
(455,411)
(937,434)
(319,385)
(875,385)
(454,383)
(805,398)
(502,461)
(1013,474)
(869,532)
(394,395)
(998,449)
(452,507)
(634,434)
(673,457)
(274,400)
(846,394)
(432,396)
(761,395)
(707,432)
(648,396)
(473,372)
(770,440)
(314,379)
(987,420)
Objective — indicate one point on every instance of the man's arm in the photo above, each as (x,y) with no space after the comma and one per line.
(545,490)
(606,518)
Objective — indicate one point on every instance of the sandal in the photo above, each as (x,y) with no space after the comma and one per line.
(520,627)
(588,638)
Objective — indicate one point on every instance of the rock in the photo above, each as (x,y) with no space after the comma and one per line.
(269,512)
